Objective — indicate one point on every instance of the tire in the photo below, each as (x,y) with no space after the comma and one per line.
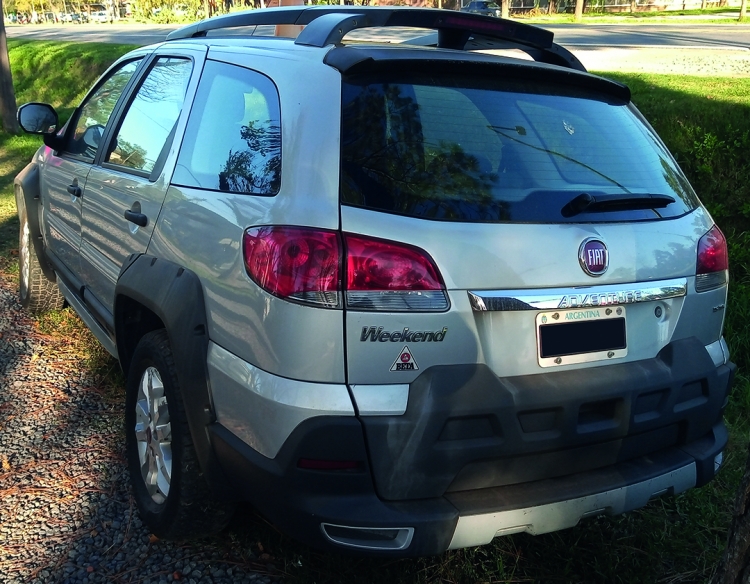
(36,293)
(173,498)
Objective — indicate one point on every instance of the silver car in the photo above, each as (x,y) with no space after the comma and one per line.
(402,298)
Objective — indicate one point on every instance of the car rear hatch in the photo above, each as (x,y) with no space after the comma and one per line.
(514,239)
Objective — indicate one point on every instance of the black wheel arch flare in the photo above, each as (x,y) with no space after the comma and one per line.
(28,194)
(154,293)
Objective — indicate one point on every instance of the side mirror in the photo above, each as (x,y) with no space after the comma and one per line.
(38,118)
(92,137)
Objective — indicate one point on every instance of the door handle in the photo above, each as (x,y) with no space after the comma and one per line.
(138,218)
(74,190)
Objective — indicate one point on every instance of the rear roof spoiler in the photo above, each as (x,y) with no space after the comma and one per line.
(327,25)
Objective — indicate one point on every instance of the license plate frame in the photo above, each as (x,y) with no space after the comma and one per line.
(594,334)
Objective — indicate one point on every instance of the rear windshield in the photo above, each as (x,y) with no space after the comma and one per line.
(504,150)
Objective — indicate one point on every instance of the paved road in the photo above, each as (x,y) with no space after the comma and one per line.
(657,35)
(613,35)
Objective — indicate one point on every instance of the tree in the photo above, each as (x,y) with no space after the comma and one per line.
(579,11)
(734,567)
(7,95)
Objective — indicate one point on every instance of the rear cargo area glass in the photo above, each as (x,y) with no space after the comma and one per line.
(488,150)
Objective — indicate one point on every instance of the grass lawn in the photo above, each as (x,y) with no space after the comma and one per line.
(706,124)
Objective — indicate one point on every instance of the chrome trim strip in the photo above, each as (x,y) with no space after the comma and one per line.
(557,298)
(474,530)
(381,400)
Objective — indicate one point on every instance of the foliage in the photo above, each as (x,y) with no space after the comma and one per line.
(705,122)
(59,73)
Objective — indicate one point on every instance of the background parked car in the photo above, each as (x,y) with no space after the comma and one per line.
(485,7)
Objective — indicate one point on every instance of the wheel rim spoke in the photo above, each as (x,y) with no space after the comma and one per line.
(153,434)
(24,253)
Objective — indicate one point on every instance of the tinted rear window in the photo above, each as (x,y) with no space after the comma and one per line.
(496,151)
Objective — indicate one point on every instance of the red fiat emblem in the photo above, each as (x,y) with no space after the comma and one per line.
(594,257)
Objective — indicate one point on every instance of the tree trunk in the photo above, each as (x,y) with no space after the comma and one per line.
(7,95)
(734,567)
(551,7)
(743,10)
(504,8)
(579,11)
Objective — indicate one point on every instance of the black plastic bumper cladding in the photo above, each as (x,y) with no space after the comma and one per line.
(298,501)
(467,429)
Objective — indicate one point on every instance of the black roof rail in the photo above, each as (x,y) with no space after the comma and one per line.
(327,25)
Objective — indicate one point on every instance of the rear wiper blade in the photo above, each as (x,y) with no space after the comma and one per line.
(624,202)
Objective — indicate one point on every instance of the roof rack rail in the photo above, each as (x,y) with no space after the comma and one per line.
(327,25)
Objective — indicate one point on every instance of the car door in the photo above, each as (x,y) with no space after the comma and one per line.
(123,195)
(64,172)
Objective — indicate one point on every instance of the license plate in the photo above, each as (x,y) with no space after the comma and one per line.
(566,337)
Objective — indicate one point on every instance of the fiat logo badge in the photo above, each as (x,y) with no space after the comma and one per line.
(594,257)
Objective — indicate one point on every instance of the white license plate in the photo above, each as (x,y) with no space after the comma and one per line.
(566,337)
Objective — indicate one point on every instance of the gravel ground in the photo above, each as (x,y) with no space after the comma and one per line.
(66,514)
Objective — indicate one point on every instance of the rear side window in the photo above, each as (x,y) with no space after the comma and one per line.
(233,138)
(454,148)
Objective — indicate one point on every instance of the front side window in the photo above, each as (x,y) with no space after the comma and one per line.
(148,124)
(498,150)
(233,138)
(95,113)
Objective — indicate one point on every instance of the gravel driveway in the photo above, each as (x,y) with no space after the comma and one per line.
(66,514)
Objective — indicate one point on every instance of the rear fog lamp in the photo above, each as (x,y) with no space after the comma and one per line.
(713,261)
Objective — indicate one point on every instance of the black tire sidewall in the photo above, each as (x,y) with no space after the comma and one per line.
(158,516)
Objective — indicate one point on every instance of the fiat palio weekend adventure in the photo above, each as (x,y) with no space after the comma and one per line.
(401,297)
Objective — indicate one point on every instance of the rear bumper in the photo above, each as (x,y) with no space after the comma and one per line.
(476,456)
(306,504)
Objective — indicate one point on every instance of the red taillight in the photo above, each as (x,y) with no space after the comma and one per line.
(374,264)
(293,262)
(712,252)
(713,261)
(305,264)
(389,276)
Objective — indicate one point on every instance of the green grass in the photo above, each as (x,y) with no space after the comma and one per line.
(706,123)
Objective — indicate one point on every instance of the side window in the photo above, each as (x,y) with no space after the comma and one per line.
(233,138)
(147,127)
(95,113)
